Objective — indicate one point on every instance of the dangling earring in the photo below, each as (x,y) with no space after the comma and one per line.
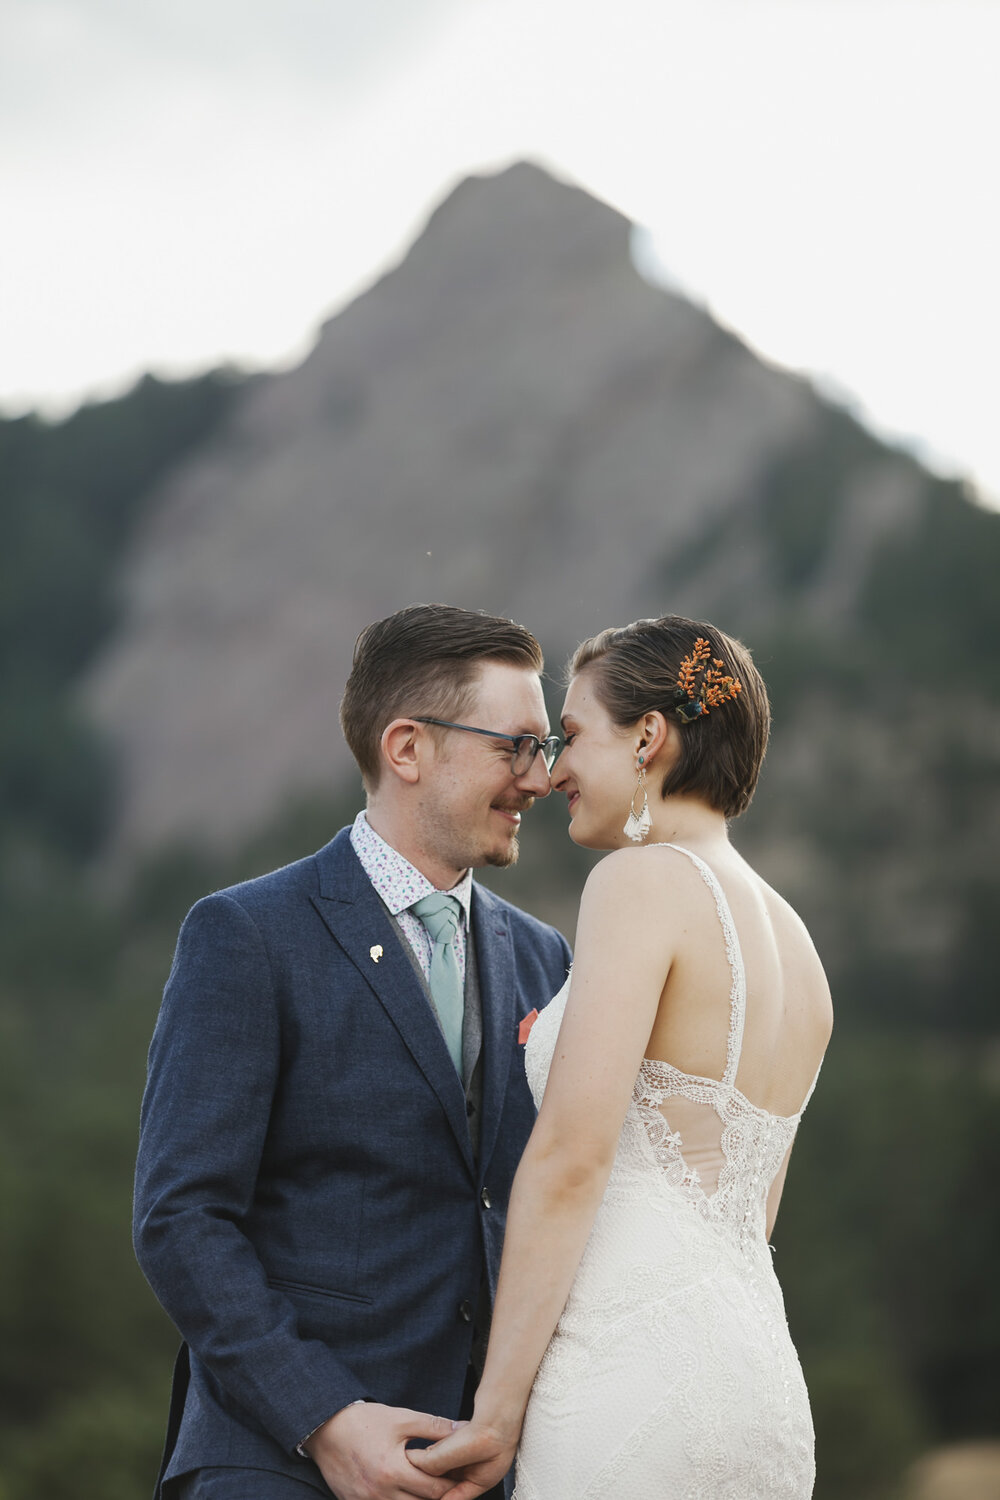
(638,824)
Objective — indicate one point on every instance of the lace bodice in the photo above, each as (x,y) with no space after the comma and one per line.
(671,1372)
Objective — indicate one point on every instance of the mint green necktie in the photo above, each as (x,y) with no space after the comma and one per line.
(440,914)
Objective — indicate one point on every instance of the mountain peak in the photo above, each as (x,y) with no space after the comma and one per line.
(526,206)
(512,419)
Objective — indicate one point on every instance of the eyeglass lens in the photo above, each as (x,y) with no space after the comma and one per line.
(527,749)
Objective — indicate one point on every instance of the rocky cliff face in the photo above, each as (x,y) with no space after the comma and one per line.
(511,419)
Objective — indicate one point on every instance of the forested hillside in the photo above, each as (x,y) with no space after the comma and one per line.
(71,494)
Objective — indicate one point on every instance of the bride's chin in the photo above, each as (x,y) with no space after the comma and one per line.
(580,836)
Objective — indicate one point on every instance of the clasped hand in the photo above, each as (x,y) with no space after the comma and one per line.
(475,1457)
(362,1454)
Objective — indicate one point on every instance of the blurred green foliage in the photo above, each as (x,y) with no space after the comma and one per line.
(71,494)
(873,816)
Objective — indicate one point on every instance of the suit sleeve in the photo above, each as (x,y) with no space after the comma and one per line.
(213,1069)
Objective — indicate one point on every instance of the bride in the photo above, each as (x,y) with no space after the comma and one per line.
(639,1343)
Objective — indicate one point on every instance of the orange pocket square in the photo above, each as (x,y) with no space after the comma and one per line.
(525,1027)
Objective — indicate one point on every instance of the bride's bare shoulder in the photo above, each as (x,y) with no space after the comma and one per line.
(784,917)
(795,942)
(647,871)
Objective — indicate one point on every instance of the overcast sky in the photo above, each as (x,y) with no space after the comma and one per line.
(188,181)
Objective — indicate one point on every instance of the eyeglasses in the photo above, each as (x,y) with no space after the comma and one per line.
(526,746)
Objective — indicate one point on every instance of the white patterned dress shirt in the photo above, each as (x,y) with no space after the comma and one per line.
(399,884)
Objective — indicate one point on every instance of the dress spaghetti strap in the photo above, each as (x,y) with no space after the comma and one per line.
(734,953)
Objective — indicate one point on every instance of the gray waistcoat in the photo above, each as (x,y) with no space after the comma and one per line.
(472,1078)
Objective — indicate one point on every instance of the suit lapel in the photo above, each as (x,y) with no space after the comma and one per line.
(360,923)
(495,963)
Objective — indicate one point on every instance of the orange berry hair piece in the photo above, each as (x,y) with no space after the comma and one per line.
(715,687)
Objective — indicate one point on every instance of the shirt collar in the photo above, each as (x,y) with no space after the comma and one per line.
(397,881)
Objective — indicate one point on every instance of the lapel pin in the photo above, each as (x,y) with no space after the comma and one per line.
(376,952)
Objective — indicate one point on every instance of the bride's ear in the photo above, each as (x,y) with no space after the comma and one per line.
(655,736)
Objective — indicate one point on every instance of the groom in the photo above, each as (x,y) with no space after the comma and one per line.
(336,1100)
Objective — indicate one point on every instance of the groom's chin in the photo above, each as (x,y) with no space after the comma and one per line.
(502,859)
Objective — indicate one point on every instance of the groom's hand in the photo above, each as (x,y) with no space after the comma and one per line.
(361,1453)
(475,1456)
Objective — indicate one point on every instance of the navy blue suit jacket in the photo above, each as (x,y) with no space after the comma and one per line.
(308,1208)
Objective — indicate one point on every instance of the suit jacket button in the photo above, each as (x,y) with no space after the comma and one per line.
(465,1311)
(485,1199)
(470,1108)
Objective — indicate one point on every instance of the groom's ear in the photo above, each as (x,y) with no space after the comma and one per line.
(401,744)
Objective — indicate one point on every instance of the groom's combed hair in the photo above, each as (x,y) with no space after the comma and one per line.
(423,660)
(636,671)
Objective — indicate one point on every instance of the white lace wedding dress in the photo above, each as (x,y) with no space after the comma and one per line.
(671,1374)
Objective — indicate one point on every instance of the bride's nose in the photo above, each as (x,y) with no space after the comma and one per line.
(558,773)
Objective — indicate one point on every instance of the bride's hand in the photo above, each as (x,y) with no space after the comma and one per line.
(476,1456)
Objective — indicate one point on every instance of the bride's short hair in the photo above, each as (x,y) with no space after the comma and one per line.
(635,670)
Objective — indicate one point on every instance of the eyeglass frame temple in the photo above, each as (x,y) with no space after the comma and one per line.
(516,740)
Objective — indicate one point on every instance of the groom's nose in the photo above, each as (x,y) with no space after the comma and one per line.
(535,779)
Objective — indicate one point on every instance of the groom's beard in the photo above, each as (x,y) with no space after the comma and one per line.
(467,834)
(502,859)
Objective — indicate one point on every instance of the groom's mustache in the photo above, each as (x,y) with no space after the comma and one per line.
(515,804)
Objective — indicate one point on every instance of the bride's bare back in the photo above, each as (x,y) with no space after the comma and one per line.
(788,1009)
